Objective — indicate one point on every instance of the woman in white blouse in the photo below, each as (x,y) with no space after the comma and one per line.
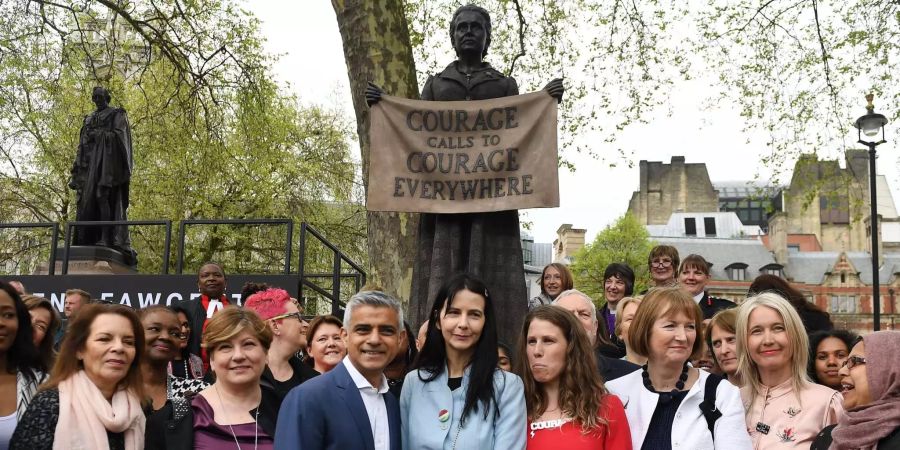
(669,404)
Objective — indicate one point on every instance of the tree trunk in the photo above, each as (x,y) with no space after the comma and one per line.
(377,48)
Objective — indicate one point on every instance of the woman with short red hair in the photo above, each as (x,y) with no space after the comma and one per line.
(283,371)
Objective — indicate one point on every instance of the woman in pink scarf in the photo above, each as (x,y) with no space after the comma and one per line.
(92,400)
(871,387)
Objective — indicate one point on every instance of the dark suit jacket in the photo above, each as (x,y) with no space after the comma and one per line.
(327,412)
(197,317)
(711,305)
(611,368)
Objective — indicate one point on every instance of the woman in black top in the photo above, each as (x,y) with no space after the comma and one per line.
(283,371)
(185,364)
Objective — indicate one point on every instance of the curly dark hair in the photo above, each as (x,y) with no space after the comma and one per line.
(580,385)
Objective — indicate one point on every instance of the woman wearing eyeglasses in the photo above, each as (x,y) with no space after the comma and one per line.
(663,261)
(870,380)
(283,371)
(161,335)
(784,409)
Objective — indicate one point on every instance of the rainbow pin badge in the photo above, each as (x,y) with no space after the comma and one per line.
(443,415)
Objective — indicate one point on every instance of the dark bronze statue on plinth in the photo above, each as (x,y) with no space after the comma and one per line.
(101,175)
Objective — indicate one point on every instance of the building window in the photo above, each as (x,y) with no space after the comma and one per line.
(772,269)
(709,225)
(690,226)
(834,209)
(737,272)
(793,248)
(843,304)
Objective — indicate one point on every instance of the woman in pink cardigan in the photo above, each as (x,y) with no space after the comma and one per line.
(785,409)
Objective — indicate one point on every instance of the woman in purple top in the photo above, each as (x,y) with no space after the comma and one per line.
(236,411)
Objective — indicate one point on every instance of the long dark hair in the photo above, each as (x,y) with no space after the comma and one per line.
(432,360)
(178,308)
(22,355)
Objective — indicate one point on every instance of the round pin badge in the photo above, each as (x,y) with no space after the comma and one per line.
(443,415)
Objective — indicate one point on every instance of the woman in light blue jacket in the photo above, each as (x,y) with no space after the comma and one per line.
(457,398)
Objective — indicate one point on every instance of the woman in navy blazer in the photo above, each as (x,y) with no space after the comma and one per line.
(457,398)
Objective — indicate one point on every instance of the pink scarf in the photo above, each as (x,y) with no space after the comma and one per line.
(85,416)
(863,426)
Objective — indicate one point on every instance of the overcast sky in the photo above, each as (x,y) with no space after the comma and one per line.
(305,35)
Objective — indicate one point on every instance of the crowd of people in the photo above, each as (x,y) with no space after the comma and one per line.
(672,368)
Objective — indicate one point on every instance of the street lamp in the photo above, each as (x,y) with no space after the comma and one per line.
(869,126)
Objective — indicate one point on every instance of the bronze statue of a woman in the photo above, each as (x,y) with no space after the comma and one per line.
(486,245)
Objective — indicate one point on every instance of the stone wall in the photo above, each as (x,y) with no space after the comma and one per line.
(674,187)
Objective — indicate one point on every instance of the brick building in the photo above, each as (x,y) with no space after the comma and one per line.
(814,232)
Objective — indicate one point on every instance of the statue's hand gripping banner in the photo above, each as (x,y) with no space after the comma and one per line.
(463,157)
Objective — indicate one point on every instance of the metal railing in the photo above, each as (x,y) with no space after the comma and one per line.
(308,234)
(336,273)
(179,264)
(54,237)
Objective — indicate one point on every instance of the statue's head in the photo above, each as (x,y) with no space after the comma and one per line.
(101,97)
(470,29)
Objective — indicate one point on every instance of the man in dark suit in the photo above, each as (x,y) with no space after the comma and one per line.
(586,312)
(350,407)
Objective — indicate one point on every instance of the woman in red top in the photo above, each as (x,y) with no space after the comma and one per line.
(568,405)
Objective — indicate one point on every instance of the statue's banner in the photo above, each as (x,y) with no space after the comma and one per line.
(462,157)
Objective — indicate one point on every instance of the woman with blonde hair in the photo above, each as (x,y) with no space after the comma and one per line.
(785,409)
(568,405)
(236,410)
(671,405)
(625,312)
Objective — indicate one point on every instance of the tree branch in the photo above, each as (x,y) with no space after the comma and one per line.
(522,25)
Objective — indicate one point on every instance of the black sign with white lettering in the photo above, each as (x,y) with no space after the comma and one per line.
(139,291)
